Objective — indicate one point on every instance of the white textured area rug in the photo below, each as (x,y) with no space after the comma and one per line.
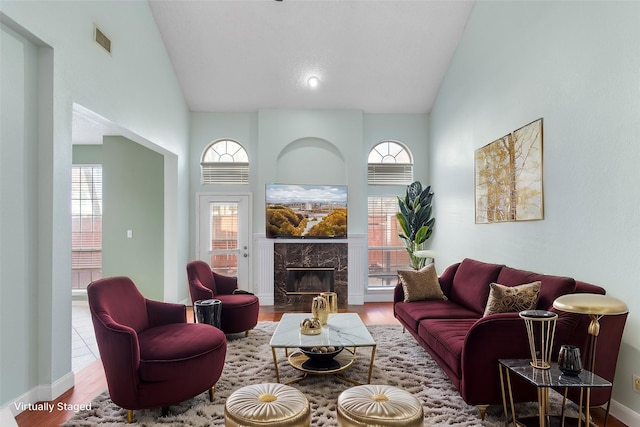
(399,361)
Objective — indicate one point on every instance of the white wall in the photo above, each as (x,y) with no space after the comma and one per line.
(134,88)
(577,66)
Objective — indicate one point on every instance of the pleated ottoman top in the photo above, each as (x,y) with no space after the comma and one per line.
(379,405)
(269,404)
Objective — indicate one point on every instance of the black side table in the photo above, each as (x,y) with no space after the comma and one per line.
(543,380)
(208,311)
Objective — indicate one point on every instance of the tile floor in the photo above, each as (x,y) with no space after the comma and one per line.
(84,349)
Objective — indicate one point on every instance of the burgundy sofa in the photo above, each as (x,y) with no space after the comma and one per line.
(467,345)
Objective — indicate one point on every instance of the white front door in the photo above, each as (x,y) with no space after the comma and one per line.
(222,234)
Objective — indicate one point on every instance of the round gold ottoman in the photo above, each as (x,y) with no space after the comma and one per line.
(379,405)
(269,404)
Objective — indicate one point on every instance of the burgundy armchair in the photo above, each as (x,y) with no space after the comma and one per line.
(239,309)
(151,356)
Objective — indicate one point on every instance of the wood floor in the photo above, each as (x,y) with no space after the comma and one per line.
(90,382)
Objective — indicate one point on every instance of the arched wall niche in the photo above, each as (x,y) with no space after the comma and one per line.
(311,160)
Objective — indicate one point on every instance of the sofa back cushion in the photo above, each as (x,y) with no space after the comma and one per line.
(552,286)
(471,283)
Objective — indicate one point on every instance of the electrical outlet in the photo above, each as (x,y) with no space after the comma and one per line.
(636,383)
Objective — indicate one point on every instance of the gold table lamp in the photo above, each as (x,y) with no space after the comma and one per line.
(596,306)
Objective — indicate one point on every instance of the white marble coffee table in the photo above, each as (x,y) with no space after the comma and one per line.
(342,330)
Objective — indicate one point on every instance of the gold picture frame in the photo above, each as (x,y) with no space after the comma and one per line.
(508,177)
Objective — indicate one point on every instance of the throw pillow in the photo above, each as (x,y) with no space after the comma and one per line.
(421,284)
(506,299)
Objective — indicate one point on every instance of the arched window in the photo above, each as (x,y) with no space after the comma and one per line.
(224,161)
(390,163)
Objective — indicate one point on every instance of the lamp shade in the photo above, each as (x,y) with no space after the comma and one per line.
(590,304)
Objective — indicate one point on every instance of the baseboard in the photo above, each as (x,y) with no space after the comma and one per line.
(355,299)
(41,393)
(624,414)
(379,295)
(7,419)
(266,299)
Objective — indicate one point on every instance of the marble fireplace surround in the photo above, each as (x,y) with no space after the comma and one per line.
(346,256)
(308,255)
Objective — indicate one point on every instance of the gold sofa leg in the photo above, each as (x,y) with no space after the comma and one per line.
(212,391)
(129,416)
(483,410)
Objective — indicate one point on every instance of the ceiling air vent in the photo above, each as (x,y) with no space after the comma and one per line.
(102,39)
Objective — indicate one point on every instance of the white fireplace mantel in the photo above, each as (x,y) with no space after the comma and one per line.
(357,272)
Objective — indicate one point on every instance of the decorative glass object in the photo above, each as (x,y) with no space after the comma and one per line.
(569,360)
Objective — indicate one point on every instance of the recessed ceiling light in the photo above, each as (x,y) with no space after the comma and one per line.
(313,81)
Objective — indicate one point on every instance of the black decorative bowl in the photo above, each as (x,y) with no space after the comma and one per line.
(315,353)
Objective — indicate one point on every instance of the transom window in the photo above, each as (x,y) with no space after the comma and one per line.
(225,161)
(390,163)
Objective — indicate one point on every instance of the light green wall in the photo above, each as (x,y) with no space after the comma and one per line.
(133,200)
(307,147)
(279,129)
(410,129)
(87,155)
(19,62)
(136,90)
(576,65)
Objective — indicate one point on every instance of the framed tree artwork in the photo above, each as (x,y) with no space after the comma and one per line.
(508,177)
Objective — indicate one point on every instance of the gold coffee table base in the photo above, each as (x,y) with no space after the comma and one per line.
(345,360)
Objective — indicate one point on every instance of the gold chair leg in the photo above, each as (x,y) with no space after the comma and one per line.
(212,391)
(483,410)
(246,333)
(129,416)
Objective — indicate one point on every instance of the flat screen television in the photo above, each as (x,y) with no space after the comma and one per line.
(306,211)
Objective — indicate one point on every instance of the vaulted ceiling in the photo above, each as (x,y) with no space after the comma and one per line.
(386,56)
(378,56)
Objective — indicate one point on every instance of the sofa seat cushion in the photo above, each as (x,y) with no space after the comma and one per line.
(446,338)
(411,313)
(162,362)
(239,312)
(551,286)
(471,283)
(237,301)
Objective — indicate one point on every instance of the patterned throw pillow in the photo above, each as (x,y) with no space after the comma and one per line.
(421,284)
(507,299)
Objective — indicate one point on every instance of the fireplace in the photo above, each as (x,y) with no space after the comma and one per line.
(302,270)
(309,280)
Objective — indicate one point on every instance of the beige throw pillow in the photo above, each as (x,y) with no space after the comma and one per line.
(507,299)
(421,284)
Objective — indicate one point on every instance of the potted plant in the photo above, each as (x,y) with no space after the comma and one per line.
(415,220)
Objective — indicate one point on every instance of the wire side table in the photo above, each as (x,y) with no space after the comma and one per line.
(544,380)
